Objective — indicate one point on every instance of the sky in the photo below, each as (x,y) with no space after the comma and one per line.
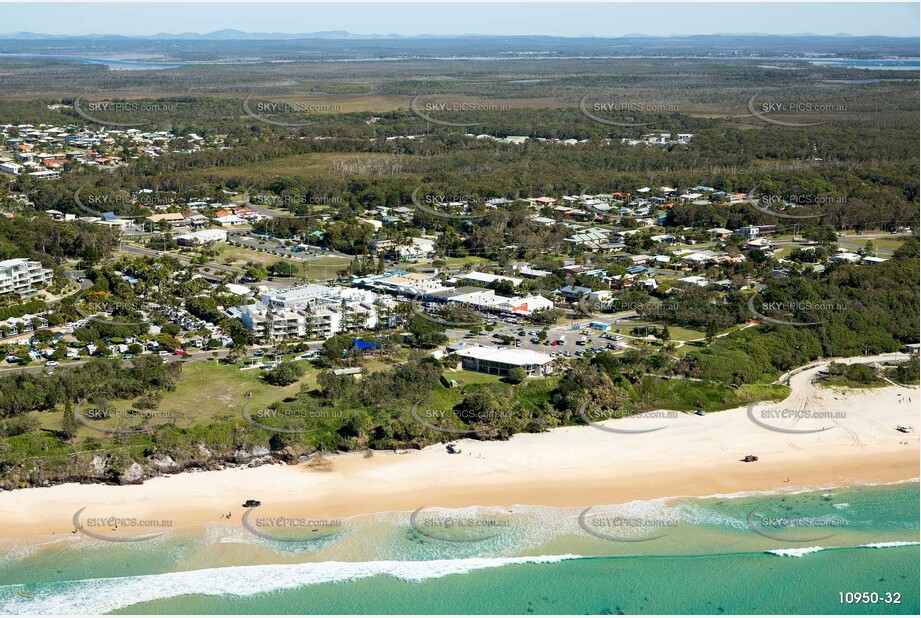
(558,19)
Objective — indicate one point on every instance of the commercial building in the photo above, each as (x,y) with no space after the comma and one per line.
(499,361)
(202,237)
(487,279)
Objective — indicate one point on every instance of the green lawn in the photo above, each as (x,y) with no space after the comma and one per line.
(457,262)
(885,246)
(315,269)
(678,333)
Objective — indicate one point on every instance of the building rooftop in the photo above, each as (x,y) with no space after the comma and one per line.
(510,357)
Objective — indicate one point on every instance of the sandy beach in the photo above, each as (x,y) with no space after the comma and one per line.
(850,438)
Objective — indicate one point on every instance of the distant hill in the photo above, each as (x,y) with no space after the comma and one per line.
(231,45)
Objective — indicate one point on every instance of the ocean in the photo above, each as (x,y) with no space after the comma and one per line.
(793,552)
(112,63)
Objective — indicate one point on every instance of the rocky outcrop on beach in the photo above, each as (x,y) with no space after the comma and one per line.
(112,468)
(133,475)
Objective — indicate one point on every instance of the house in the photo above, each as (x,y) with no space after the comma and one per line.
(173,218)
(417,249)
(230,220)
(591,239)
(573,292)
(698,257)
(753,231)
(695,280)
(45,175)
(845,257)
(759,244)
(641,258)
(532,273)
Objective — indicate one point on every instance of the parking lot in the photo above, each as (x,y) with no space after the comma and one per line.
(571,333)
(279,247)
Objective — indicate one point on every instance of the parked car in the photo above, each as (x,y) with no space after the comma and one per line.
(52,363)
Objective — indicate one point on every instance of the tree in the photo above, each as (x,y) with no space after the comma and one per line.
(517,375)
(426,333)
(711,332)
(68,421)
(334,349)
(237,350)
(283,269)
(665,335)
(284,374)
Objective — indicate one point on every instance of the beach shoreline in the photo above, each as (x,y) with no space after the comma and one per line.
(679,455)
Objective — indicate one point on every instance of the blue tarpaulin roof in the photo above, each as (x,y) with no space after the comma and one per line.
(364,345)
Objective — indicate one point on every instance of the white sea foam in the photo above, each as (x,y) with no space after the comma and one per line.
(797,552)
(793,491)
(841,505)
(98,596)
(891,544)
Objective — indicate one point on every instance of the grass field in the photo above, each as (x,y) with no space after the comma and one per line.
(457,262)
(319,268)
(305,164)
(884,246)
(678,333)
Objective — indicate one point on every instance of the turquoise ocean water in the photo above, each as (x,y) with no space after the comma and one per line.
(748,554)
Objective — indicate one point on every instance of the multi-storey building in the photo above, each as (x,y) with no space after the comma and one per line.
(313,311)
(21,275)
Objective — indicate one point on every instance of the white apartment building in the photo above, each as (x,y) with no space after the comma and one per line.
(21,275)
(313,311)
